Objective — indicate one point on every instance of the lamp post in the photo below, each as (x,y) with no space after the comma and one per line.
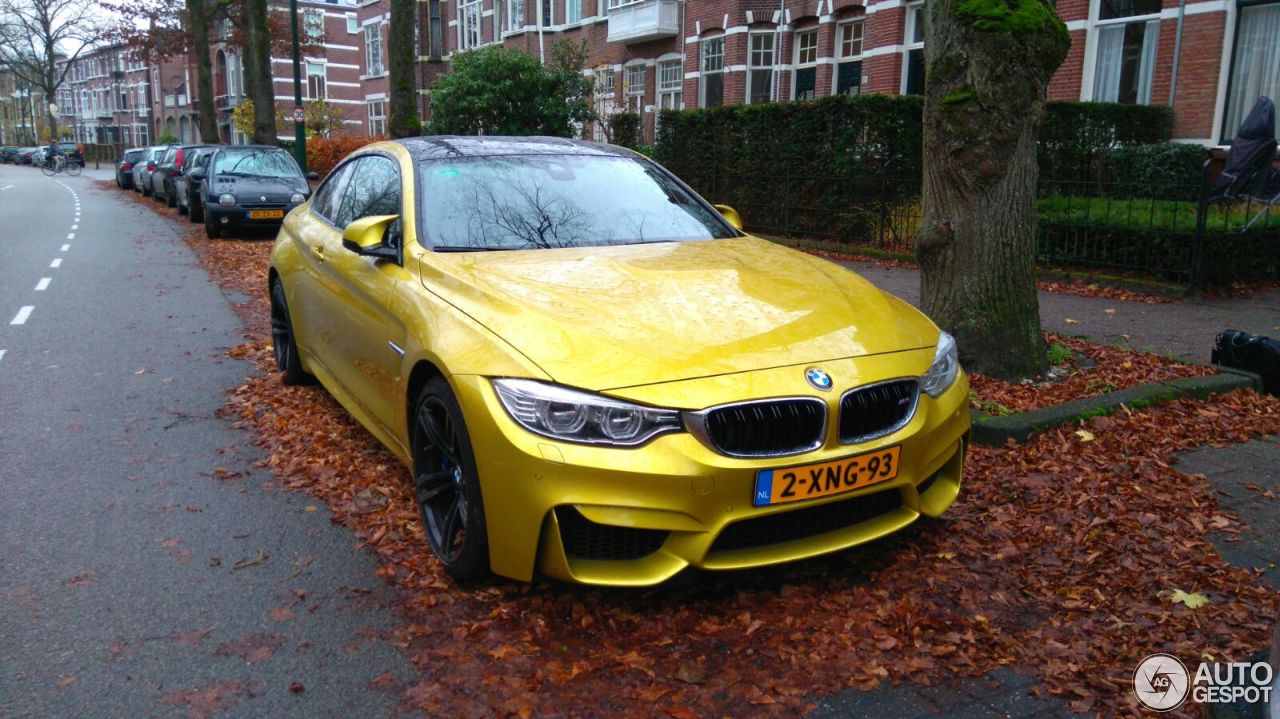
(299,120)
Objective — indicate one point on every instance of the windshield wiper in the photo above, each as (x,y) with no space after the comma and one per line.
(468,248)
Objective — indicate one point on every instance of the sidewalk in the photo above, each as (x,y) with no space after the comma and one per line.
(1183,330)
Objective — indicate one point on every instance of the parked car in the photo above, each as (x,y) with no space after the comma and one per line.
(187,189)
(142,171)
(124,166)
(249,186)
(28,155)
(162,179)
(37,156)
(72,151)
(9,155)
(646,387)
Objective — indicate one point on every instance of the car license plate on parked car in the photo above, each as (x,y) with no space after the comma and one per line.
(810,481)
(266,214)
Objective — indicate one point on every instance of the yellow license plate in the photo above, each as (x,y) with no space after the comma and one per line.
(810,481)
(266,214)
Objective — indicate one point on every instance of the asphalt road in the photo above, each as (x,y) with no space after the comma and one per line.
(120,594)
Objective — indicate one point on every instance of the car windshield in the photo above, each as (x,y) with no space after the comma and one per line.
(256,163)
(542,201)
(133,155)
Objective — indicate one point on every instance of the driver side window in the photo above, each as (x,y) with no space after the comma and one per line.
(328,198)
(374,189)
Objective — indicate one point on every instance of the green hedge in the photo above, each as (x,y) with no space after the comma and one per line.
(1075,135)
(624,129)
(1165,170)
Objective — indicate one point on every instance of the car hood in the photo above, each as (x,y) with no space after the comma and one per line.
(249,189)
(605,318)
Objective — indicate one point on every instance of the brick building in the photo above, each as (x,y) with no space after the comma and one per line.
(1208,58)
(106,98)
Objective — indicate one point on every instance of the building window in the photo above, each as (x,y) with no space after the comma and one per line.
(515,15)
(1255,67)
(353,24)
(316,81)
(712,85)
(373,48)
(377,117)
(913,73)
(313,26)
(760,68)
(670,86)
(1127,33)
(849,58)
(633,87)
(804,85)
(547,13)
(469,24)
(437,29)
(573,11)
(604,99)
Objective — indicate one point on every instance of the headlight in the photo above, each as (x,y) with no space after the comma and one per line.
(227,200)
(944,369)
(573,416)
(297,198)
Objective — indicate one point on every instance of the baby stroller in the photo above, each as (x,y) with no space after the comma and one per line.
(1249,173)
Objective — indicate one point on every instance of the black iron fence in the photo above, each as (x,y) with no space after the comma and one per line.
(1148,231)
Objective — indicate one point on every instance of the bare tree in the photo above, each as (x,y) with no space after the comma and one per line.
(41,39)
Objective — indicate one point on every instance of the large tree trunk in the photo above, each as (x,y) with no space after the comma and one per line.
(403,120)
(987,65)
(198,19)
(258,82)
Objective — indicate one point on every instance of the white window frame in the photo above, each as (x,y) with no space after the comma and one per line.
(572,11)
(353,24)
(801,63)
(703,70)
(753,66)
(1226,126)
(842,58)
(324,79)
(668,77)
(914,19)
(545,22)
(633,95)
(514,15)
(377,121)
(470,31)
(373,49)
(1097,27)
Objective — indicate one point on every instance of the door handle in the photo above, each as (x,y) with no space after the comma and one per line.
(318,252)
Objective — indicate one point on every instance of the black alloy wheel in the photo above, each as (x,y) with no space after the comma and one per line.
(446,484)
(283,341)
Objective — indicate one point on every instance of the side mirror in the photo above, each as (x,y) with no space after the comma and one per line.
(731,215)
(196,173)
(366,236)
(313,176)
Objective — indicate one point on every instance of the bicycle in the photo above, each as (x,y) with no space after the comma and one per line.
(61,163)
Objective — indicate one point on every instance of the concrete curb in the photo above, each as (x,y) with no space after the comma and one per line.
(996,431)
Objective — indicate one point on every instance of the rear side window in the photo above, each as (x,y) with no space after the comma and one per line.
(134,156)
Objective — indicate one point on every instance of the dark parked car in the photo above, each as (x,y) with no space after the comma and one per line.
(162,187)
(9,155)
(124,166)
(142,171)
(249,186)
(72,151)
(185,188)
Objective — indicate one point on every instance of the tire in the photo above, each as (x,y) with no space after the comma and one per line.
(146,188)
(446,485)
(169,199)
(48,170)
(73,168)
(195,214)
(288,362)
(211,228)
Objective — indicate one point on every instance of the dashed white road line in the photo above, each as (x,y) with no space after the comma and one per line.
(23,314)
(71,236)
(6,187)
(3,351)
(43,284)
(65,248)
(56,263)
(75,227)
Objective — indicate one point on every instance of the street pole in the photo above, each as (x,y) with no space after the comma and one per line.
(299,120)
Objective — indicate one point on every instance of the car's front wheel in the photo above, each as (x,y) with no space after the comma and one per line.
(212,229)
(446,485)
(283,341)
(194,213)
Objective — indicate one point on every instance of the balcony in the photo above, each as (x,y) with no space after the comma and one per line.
(643,20)
(227,102)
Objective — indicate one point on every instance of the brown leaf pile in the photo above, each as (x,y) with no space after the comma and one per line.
(1093,370)
(1059,558)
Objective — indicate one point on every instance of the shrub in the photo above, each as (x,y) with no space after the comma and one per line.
(1165,170)
(323,154)
(1074,135)
(624,129)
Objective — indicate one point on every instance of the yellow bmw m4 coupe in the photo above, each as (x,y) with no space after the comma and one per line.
(595,375)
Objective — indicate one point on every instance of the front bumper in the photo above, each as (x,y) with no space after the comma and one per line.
(634,517)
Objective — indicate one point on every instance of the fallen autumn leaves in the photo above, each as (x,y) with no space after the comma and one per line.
(1060,558)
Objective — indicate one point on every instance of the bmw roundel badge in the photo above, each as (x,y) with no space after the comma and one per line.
(818,378)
